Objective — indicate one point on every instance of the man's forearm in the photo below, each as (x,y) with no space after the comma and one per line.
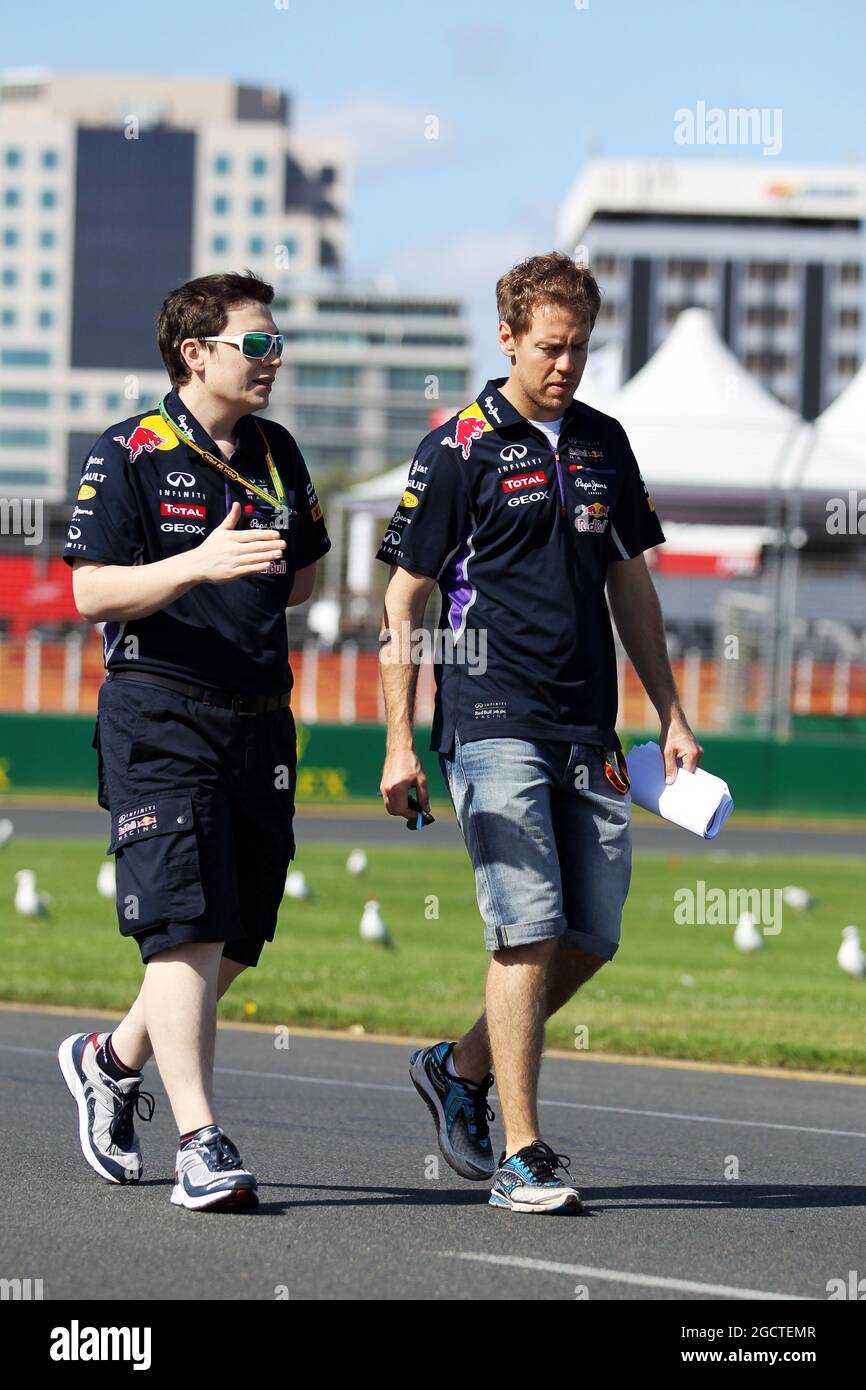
(399,681)
(638,617)
(118,593)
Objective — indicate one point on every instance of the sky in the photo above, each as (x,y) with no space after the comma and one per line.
(522,95)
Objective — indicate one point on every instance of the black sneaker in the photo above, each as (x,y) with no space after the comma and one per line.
(459,1109)
(105,1109)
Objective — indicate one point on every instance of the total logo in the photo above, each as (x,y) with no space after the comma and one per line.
(524,497)
(523,480)
(190,510)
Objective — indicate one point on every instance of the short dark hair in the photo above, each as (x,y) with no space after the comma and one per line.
(199,309)
(550,279)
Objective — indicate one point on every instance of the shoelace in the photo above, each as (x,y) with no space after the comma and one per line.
(120,1129)
(542,1162)
(222,1153)
(475,1105)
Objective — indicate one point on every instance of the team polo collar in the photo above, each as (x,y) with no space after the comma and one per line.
(498,410)
(194,430)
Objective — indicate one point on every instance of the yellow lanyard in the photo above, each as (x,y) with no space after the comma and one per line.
(226,468)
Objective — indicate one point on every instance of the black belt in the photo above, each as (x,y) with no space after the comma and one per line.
(224,699)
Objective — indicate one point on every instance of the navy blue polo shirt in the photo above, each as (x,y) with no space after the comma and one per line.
(145,496)
(519,537)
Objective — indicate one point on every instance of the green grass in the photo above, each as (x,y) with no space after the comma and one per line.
(788,1006)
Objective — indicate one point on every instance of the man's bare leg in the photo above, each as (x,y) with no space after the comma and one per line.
(179,996)
(130,1039)
(567,970)
(516,1000)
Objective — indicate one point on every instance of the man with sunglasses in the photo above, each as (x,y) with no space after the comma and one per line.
(195,526)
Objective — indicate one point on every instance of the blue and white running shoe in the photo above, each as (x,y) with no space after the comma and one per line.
(459,1109)
(105,1109)
(527,1181)
(210,1174)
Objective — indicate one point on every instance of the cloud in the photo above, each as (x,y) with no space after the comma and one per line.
(481,51)
(381,135)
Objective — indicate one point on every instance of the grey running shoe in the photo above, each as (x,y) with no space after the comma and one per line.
(105,1109)
(210,1174)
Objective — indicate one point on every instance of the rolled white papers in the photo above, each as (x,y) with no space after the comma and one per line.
(697,801)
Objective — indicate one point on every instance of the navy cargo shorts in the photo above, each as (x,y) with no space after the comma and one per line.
(201,803)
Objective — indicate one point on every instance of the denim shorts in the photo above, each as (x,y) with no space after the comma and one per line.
(549,837)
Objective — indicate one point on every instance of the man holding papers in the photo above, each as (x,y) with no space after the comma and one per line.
(524,508)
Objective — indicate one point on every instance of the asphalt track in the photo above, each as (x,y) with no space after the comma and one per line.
(319,826)
(354,1206)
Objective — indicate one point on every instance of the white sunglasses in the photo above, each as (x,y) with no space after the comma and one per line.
(255,345)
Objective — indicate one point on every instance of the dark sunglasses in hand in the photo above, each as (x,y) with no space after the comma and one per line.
(422,817)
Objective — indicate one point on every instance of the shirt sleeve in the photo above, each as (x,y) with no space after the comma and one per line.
(311,537)
(105,526)
(634,526)
(432,516)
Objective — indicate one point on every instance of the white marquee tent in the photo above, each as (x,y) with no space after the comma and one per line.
(707,436)
(836,458)
(713,445)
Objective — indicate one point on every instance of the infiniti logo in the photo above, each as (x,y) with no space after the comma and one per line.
(391,538)
(74,533)
(179,479)
(513,451)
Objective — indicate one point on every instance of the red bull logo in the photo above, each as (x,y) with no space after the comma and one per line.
(591,516)
(467,429)
(142,440)
(137,823)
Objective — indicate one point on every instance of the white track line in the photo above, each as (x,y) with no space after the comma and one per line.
(563,1104)
(560,1104)
(619,1276)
